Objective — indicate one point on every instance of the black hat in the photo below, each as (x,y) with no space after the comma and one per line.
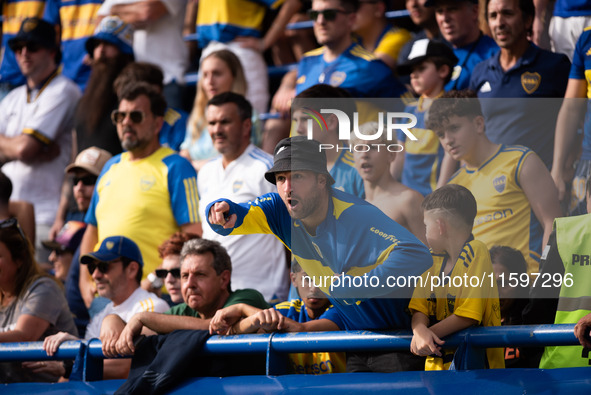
(298,153)
(424,49)
(35,30)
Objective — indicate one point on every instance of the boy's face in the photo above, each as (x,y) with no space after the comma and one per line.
(372,165)
(459,136)
(312,297)
(426,79)
(434,230)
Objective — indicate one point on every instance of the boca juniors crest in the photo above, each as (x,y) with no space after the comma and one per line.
(499,183)
(530,82)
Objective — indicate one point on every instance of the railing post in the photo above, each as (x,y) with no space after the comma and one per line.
(276,362)
(92,366)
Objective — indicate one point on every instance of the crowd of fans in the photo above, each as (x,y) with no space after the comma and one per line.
(131,205)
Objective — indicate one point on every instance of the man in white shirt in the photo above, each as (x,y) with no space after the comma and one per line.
(258,261)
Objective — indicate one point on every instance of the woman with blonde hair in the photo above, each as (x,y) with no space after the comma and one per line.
(220,72)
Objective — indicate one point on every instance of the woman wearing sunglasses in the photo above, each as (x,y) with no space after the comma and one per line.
(32,304)
(170,270)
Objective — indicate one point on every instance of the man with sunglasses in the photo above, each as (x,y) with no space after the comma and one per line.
(37,118)
(146,193)
(116,268)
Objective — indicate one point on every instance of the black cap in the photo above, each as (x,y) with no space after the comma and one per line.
(298,153)
(424,49)
(35,30)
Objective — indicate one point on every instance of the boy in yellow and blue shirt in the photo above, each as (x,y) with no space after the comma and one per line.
(443,307)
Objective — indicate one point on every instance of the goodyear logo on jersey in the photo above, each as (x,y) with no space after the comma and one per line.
(147,182)
(237,185)
(499,183)
(530,82)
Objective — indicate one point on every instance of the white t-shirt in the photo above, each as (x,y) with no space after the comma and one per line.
(258,261)
(140,300)
(161,42)
(47,114)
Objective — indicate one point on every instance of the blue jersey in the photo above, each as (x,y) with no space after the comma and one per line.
(345,175)
(296,310)
(567,8)
(422,157)
(356,241)
(581,70)
(538,73)
(77,19)
(224,20)
(174,128)
(468,57)
(356,70)
(13,14)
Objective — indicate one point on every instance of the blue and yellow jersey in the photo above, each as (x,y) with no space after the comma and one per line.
(14,12)
(391,41)
(468,57)
(174,128)
(77,19)
(504,215)
(146,200)
(480,303)
(224,20)
(538,73)
(356,241)
(422,157)
(581,70)
(357,70)
(312,363)
(346,176)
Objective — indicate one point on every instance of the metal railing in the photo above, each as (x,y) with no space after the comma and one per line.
(277,345)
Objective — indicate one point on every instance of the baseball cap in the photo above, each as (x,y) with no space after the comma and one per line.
(91,159)
(113,248)
(68,238)
(298,153)
(35,30)
(114,31)
(432,3)
(424,49)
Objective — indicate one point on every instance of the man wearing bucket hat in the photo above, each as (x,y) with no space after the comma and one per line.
(336,236)
(35,132)
(116,267)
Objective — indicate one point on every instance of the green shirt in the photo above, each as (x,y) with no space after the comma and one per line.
(250,297)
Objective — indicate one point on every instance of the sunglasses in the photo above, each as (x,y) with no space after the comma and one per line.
(135,116)
(86,180)
(31,47)
(12,222)
(103,267)
(328,14)
(162,273)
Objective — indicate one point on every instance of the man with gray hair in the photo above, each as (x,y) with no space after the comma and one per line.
(206,269)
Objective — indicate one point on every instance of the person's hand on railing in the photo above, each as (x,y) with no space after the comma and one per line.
(269,320)
(111,329)
(52,343)
(583,331)
(125,345)
(54,368)
(222,321)
(424,342)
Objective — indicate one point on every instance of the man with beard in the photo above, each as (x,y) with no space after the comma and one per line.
(146,193)
(110,50)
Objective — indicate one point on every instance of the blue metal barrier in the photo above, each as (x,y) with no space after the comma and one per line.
(277,344)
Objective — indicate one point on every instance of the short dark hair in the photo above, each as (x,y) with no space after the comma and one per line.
(463,103)
(140,271)
(440,61)
(134,90)
(325,91)
(139,72)
(457,200)
(295,266)
(221,259)
(5,189)
(244,106)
